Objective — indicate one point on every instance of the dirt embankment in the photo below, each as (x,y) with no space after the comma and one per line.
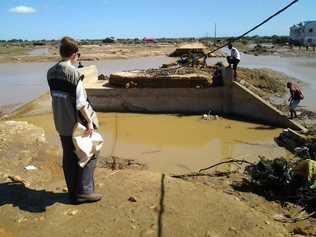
(271,86)
(264,82)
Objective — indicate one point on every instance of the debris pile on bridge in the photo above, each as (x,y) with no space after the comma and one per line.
(197,48)
(170,77)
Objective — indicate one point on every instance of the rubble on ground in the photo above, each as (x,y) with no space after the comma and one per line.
(303,145)
(283,180)
(103,77)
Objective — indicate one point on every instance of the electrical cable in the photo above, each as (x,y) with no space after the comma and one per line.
(254,28)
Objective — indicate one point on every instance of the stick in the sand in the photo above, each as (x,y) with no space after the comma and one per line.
(226,162)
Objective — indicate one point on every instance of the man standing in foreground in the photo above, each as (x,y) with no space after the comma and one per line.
(68,99)
(295,98)
(234,58)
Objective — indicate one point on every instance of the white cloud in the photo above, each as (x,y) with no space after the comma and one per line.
(22,10)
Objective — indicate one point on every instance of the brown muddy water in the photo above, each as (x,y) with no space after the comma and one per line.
(23,82)
(165,143)
(173,144)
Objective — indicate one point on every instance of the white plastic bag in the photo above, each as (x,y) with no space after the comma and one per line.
(85,146)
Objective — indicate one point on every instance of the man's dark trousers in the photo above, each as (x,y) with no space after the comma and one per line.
(233,61)
(79,180)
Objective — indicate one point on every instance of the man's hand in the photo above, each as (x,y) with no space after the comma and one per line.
(89,129)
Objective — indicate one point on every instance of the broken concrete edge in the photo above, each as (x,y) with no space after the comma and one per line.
(90,74)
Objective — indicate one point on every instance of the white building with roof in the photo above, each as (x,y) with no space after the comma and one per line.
(303,33)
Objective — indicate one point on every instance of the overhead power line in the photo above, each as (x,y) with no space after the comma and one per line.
(256,27)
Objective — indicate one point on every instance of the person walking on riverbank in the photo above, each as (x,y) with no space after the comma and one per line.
(296,96)
(69,98)
(233,59)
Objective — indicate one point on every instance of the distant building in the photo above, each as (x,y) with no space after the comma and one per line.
(149,40)
(303,33)
(109,40)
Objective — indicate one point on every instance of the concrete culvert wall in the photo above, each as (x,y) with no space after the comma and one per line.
(232,99)
(159,100)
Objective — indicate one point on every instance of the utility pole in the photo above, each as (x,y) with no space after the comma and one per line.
(215,34)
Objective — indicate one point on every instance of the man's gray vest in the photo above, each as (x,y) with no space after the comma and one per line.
(63,80)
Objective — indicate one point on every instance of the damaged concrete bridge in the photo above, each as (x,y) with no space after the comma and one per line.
(232,100)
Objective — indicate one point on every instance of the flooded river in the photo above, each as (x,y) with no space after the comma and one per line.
(21,83)
(165,143)
(39,52)
(173,144)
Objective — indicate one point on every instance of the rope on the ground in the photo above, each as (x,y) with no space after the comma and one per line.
(199,174)
(240,162)
(194,174)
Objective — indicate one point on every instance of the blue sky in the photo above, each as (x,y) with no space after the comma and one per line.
(38,19)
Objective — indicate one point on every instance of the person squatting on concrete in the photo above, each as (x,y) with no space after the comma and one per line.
(69,98)
(234,58)
(217,75)
(295,98)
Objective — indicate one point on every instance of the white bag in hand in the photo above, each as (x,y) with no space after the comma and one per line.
(85,146)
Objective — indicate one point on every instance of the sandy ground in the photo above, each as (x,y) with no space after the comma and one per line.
(88,52)
(137,201)
(95,52)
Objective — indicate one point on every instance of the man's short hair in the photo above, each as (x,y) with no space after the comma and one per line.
(219,64)
(68,46)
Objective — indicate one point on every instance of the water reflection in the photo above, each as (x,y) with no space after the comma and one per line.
(167,143)
(39,52)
